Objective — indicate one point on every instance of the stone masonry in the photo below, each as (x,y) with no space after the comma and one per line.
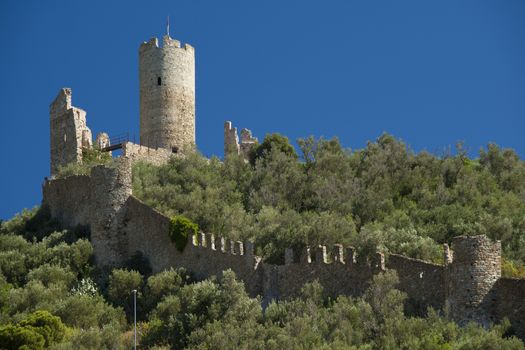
(69,132)
(231,141)
(167,95)
(471,275)
(468,286)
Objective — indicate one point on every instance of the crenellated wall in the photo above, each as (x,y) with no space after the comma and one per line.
(468,285)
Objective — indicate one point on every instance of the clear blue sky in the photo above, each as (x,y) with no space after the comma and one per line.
(429,72)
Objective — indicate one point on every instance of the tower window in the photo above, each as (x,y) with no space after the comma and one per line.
(159,81)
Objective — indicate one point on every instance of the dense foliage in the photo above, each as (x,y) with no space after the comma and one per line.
(52,297)
(181,228)
(384,196)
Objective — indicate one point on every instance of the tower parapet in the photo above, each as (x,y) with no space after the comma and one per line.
(167,94)
(471,273)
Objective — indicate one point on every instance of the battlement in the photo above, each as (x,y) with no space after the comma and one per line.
(167,42)
(216,245)
(338,254)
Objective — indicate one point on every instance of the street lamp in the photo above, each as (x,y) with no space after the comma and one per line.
(135,318)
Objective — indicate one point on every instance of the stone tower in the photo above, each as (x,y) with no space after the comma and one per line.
(167,94)
(69,132)
(471,274)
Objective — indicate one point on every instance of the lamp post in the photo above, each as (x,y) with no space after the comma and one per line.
(135,318)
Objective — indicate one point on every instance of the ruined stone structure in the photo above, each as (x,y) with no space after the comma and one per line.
(167,110)
(468,285)
(69,132)
(231,141)
(472,272)
(167,94)
(136,152)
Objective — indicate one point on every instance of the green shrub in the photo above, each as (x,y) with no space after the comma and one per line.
(121,285)
(512,269)
(180,229)
(44,323)
(15,337)
(38,330)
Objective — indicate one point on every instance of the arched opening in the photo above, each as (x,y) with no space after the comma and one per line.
(159,81)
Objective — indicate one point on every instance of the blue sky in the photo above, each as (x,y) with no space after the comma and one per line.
(429,72)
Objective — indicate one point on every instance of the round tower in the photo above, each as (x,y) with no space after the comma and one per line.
(470,275)
(167,94)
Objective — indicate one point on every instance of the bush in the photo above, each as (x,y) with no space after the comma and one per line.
(15,337)
(49,326)
(120,292)
(40,329)
(181,228)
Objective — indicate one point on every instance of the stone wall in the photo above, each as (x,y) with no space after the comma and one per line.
(470,278)
(110,190)
(231,139)
(136,152)
(422,281)
(508,300)
(205,256)
(167,94)
(69,199)
(69,133)
(468,285)
(232,144)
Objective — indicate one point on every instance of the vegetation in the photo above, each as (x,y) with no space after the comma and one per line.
(384,197)
(91,157)
(52,297)
(180,229)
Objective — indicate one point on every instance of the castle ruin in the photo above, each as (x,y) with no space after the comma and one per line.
(467,286)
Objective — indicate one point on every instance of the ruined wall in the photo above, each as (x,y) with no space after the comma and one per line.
(231,139)
(232,144)
(147,231)
(508,300)
(337,271)
(110,189)
(68,131)
(248,142)
(468,285)
(470,278)
(69,199)
(138,152)
(422,281)
(167,94)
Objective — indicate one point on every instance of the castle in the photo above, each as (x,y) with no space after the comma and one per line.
(468,285)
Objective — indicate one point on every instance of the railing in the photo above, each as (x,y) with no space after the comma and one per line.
(117,141)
